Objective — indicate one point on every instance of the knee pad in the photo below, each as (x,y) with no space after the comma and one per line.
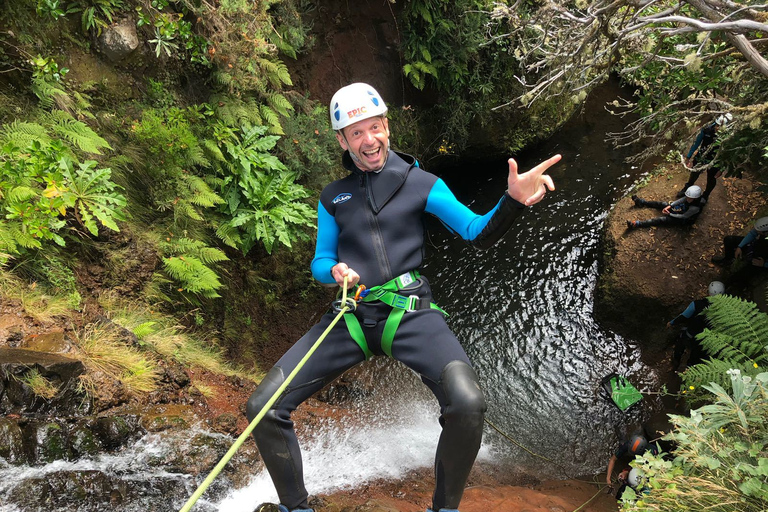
(462,391)
(268,386)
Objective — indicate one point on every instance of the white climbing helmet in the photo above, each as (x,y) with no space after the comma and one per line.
(761,224)
(694,192)
(724,119)
(715,288)
(354,103)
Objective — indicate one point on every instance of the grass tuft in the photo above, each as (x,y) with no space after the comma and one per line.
(35,300)
(103,351)
(40,386)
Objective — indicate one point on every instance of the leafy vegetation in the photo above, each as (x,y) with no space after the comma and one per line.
(720,457)
(691,61)
(736,340)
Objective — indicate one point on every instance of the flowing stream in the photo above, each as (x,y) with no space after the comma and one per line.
(523,311)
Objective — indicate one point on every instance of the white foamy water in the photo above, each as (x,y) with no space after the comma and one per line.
(401,440)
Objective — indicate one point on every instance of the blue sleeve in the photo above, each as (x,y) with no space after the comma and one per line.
(688,313)
(458,218)
(326,249)
(749,238)
(696,144)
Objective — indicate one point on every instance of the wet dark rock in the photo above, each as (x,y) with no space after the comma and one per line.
(160,423)
(92,491)
(118,41)
(11,442)
(117,430)
(46,442)
(198,456)
(53,341)
(226,423)
(174,373)
(16,397)
(83,441)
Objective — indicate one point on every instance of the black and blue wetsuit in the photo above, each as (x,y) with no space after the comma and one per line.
(704,144)
(695,323)
(680,212)
(374,222)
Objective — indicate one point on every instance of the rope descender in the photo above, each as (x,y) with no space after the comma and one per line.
(349,302)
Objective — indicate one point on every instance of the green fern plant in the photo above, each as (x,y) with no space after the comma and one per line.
(187,261)
(737,339)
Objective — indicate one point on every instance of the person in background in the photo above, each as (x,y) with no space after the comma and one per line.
(679,212)
(633,445)
(702,153)
(695,322)
(752,249)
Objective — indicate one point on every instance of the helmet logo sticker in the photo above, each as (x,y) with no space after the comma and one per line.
(357,112)
(342,198)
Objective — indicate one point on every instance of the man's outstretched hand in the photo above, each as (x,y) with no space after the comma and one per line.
(529,188)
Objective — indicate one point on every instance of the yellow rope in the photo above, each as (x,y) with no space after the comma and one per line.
(240,440)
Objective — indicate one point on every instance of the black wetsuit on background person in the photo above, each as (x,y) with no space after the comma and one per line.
(681,212)
(374,222)
(695,323)
(705,155)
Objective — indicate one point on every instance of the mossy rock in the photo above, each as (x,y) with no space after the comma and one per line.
(11,441)
(83,441)
(49,442)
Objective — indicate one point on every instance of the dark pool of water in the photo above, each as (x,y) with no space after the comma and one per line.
(524,309)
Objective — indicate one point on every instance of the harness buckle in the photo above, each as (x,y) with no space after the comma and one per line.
(413,300)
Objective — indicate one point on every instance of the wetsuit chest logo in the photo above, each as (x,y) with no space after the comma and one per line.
(342,198)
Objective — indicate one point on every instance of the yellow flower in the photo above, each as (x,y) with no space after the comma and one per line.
(691,387)
(754,364)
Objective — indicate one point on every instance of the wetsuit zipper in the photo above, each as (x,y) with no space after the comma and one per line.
(377,239)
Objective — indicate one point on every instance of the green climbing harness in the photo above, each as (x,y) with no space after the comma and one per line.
(400,304)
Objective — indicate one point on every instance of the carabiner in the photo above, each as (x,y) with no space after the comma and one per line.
(360,290)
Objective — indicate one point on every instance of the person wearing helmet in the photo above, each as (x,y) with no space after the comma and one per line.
(679,212)
(694,320)
(752,248)
(633,445)
(702,153)
(371,230)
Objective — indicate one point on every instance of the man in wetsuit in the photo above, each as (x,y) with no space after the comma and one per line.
(680,212)
(695,322)
(371,230)
(702,153)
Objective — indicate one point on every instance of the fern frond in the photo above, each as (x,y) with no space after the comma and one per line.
(213,150)
(713,370)
(22,134)
(20,194)
(200,193)
(193,274)
(229,234)
(283,74)
(76,132)
(184,209)
(196,156)
(280,104)
(46,92)
(739,319)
